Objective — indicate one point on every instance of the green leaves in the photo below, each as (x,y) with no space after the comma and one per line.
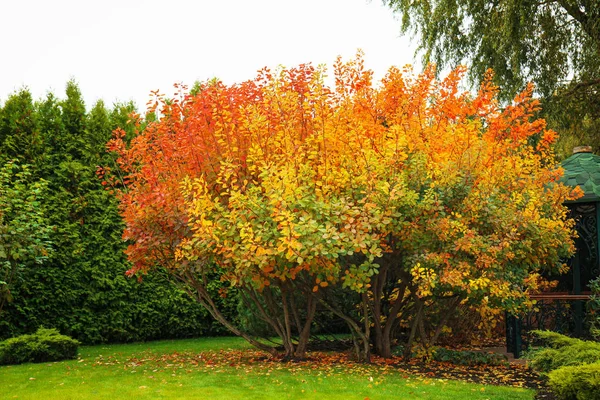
(24,230)
(61,233)
(553,44)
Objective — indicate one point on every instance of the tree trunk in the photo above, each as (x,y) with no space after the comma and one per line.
(413,329)
(453,304)
(205,300)
(355,328)
(367,321)
(268,316)
(311,308)
(386,338)
(287,331)
(377,290)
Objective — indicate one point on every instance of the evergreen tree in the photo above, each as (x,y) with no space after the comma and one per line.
(80,288)
(19,133)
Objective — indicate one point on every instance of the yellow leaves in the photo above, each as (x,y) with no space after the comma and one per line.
(290,254)
(384,187)
(290,247)
(260,251)
(284,175)
(424,278)
(490,315)
(480,283)
(417,270)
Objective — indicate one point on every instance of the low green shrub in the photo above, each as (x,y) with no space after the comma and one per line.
(581,382)
(556,340)
(463,357)
(44,345)
(562,351)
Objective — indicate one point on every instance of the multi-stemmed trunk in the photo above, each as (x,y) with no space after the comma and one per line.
(388,303)
(420,328)
(278,308)
(197,289)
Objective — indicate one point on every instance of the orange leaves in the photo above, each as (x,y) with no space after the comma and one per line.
(283,176)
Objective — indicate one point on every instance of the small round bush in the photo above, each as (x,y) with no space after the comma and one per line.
(42,346)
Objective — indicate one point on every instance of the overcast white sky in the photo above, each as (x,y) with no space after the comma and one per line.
(119,50)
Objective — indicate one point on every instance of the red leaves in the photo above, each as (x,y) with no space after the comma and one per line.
(284,175)
(258,363)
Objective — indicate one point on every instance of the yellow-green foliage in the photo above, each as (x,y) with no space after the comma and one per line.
(563,351)
(580,382)
(572,365)
(556,340)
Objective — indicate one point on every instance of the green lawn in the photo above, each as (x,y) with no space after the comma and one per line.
(223,368)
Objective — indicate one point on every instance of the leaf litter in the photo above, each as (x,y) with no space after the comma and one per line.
(325,364)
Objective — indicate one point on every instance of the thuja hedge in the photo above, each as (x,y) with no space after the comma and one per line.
(107,307)
(80,288)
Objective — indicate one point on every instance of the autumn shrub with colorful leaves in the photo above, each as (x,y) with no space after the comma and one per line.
(410,197)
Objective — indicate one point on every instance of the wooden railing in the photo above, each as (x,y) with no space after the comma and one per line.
(557,311)
(560,296)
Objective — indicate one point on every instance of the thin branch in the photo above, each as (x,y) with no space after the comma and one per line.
(579,86)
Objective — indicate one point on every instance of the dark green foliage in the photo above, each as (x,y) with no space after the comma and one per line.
(522,41)
(464,357)
(121,117)
(563,351)
(44,345)
(227,299)
(24,230)
(81,288)
(593,308)
(19,132)
(581,382)
(250,321)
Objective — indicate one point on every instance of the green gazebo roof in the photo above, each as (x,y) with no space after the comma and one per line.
(583,170)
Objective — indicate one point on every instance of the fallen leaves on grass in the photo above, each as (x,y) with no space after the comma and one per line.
(323,364)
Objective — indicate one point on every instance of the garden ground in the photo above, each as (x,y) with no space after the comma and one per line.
(228,368)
